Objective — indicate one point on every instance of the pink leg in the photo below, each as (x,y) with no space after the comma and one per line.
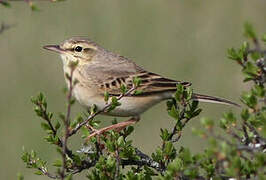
(118,127)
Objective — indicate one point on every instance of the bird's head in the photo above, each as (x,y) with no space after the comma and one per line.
(76,49)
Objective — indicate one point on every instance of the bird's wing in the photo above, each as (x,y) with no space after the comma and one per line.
(150,83)
(110,79)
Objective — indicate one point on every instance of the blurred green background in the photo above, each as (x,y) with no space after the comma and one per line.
(180,39)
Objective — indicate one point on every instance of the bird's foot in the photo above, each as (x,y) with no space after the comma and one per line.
(117,127)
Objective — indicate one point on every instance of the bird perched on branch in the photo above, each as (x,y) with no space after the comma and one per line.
(99,71)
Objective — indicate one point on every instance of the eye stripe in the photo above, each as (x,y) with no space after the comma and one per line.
(70,49)
(88,49)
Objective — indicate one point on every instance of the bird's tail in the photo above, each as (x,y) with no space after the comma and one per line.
(212,99)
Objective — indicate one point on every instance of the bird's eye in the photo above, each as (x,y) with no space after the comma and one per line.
(78,49)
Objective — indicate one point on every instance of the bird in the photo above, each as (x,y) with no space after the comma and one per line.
(99,71)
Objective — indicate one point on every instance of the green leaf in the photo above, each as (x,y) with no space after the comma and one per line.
(45,126)
(69,177)
(57,125)
(38,172)
(174,113)
(41,97)
(245,114)
(128,130)
(93,109)
(233,54)
(33,154)
(34,100)
(123,89)
(245,46)
(114,104)
(164,134)
(110,162)
(256,55)
(38,111)
(106,96)
(259,90)
(196,113)
(249,99)
(168,148)
(194,105)
(170,103)
(50,115)
(138,92)
(51,139)
(189,93)
(110,145)
(136,81)
(121,141)
(77,159)
(249,31)
(85,132)
(228,119)
(179,94)
(251,69)
(58,163)
(176,165)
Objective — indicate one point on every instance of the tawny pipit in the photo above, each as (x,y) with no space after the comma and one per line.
(100,71)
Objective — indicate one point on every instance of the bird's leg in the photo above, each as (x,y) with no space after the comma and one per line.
(118,127)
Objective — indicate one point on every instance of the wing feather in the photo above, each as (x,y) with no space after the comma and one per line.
(151,83)
(121,71)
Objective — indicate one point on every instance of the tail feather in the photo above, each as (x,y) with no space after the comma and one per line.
(212,99)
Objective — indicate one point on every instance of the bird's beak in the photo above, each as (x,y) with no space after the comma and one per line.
(54,48)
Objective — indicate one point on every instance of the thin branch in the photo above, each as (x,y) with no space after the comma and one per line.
(246,138)
(118,161)
(44,171)
(54,131)
(48,120)
(144,160)
(66,123)
(179,133)
(173,132)
(149,161)
(74,131)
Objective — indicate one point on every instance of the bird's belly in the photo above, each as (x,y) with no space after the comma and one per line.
(130,106)
(134,106)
